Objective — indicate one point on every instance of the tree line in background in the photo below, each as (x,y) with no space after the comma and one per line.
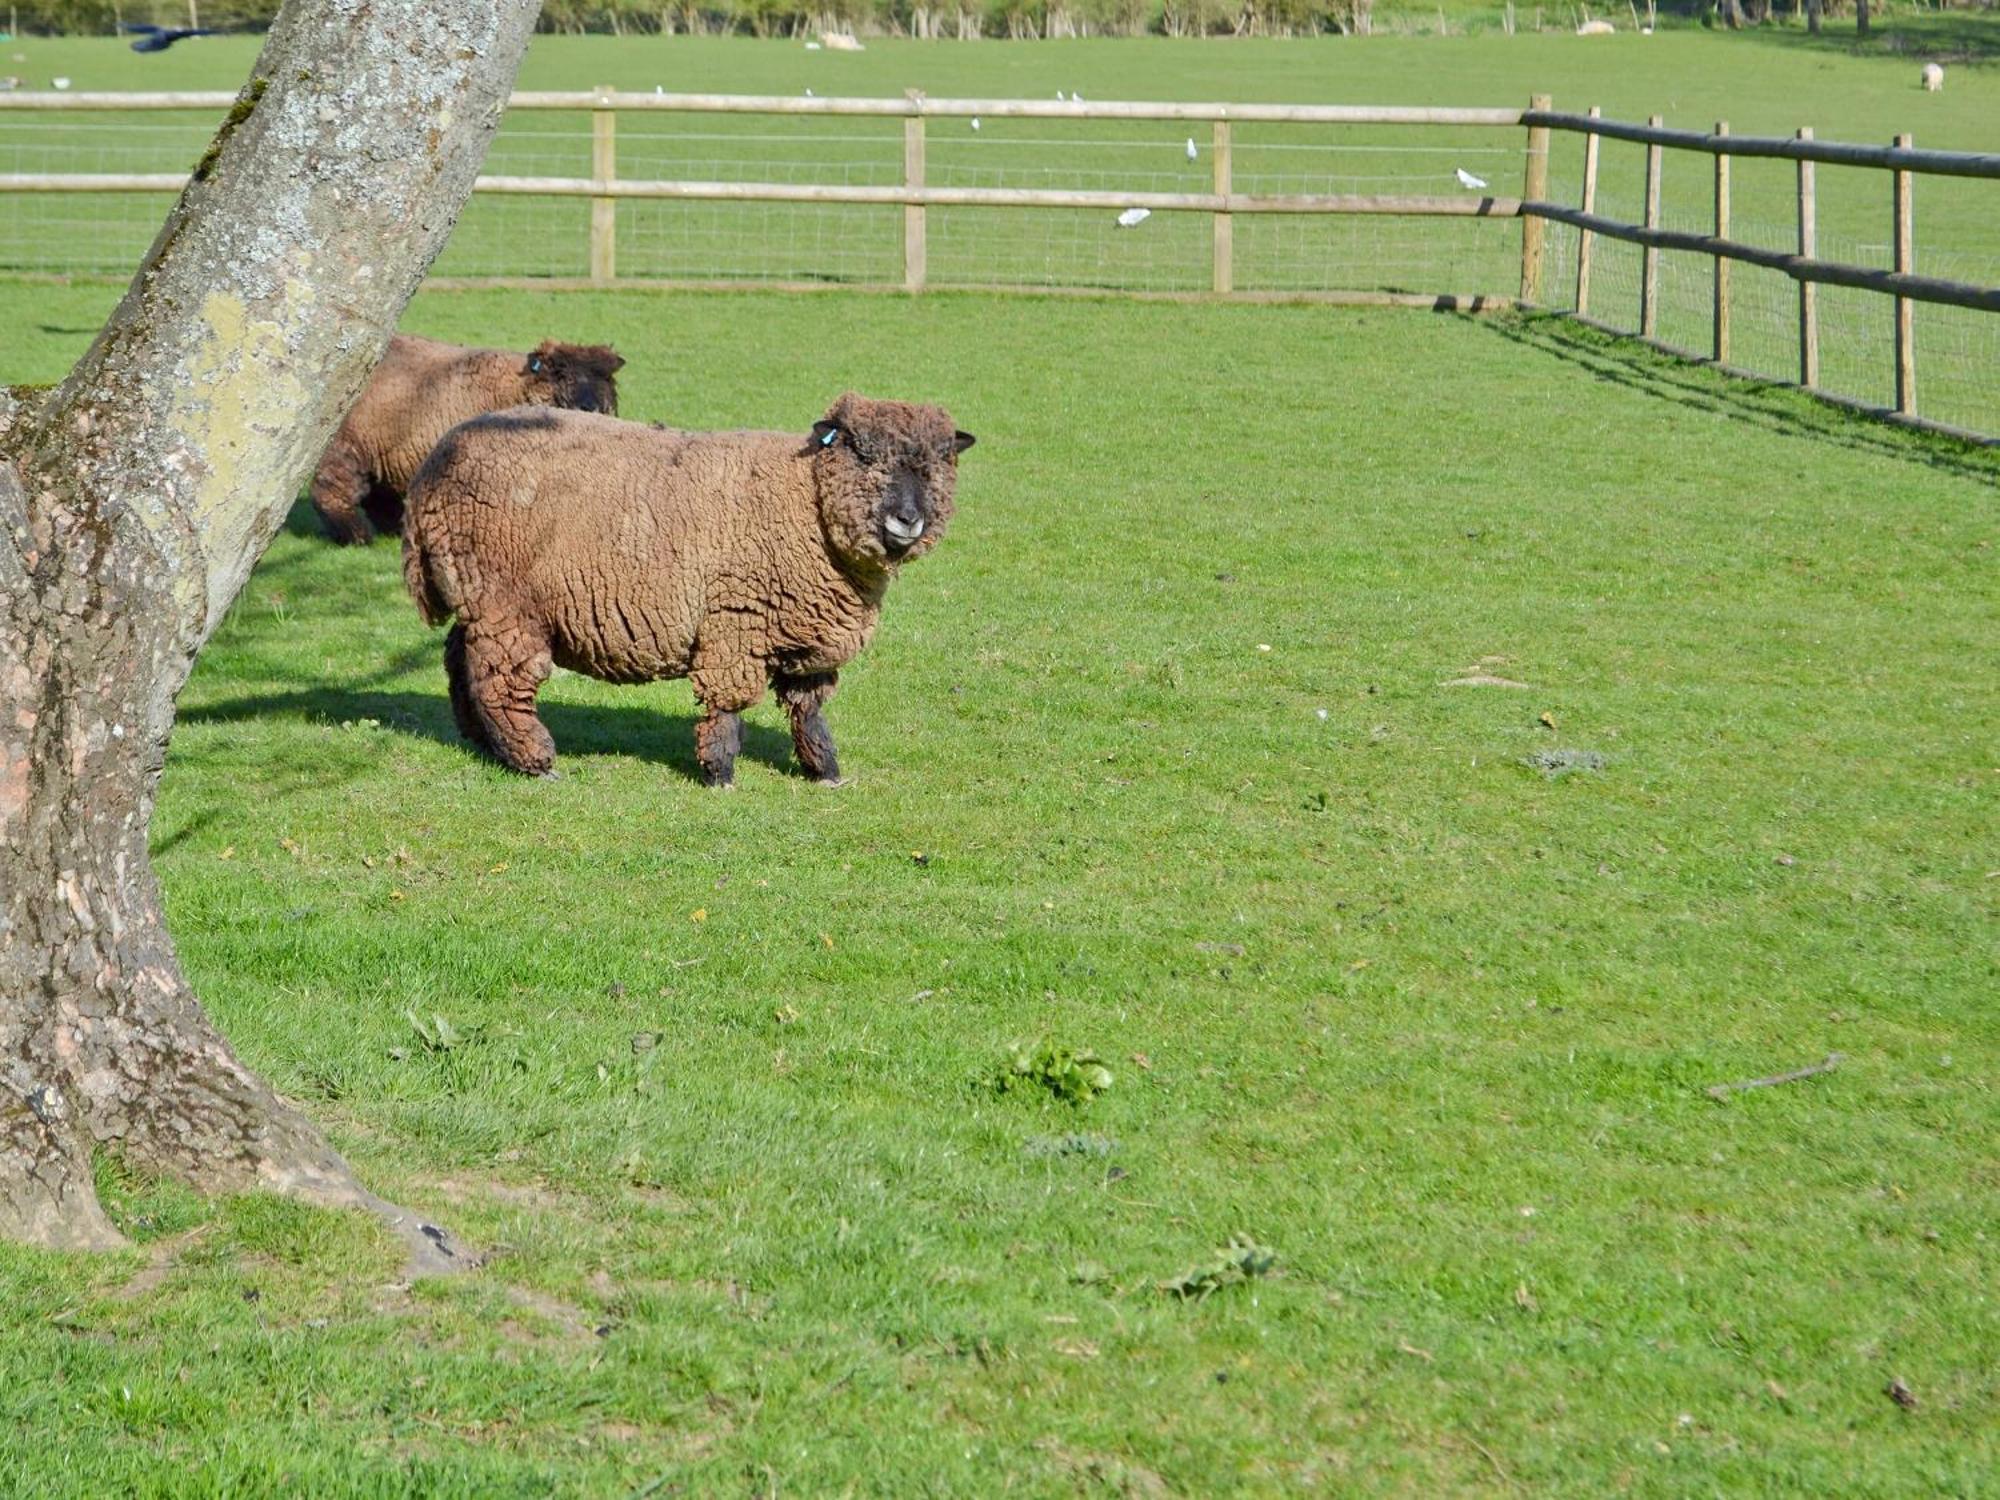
(967,19)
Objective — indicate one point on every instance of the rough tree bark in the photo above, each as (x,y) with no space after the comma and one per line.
(134,500)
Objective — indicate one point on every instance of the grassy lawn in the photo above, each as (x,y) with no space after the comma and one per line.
(1156,757)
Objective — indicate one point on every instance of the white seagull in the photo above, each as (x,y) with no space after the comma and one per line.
(1193,154)
(1059,96)
(1134,216)
(61,83)
(975,122)
(1467,180)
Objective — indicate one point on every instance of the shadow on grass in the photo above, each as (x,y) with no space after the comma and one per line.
(303,520)
(1965,37)
(662,736)
(1770,405)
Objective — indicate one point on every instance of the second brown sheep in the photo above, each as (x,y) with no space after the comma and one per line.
(420,391)
(632,553)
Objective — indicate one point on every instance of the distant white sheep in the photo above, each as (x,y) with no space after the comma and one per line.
(1933,77)
(1596,28)
(840,41)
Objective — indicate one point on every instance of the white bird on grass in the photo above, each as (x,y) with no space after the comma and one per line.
(1133,217)
(1467,180)
(1059,96)
(61,83)
(1193,154)
(975,122)
(809,93)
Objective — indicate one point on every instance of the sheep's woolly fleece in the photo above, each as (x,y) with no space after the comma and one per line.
(632,553)
(420,391)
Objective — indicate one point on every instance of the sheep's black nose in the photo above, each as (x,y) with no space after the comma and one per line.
(906,499)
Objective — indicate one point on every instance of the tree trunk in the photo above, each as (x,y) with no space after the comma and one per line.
(1814,10)
(1861,17)
(134,501)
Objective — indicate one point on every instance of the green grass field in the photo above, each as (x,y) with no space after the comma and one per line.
(1156,757)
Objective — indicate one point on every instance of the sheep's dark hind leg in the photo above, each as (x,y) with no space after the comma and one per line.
(803,698)
(340,490)
(717,738)
(458,676)
(504,669)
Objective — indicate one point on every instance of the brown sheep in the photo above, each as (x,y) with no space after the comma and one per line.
(420,391)
(632,553)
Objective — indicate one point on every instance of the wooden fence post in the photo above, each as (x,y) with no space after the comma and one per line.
(604,168)
(1721,261)
(1906,346)
(1225,224)
(1649,257)
(1808,291)
(915,250)
(1534,188)
(1591,141)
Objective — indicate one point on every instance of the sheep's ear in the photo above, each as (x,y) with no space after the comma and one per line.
(617,364)
(960,441)
(825,434)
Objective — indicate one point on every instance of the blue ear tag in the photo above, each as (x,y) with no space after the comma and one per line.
(827,440)
(535,365)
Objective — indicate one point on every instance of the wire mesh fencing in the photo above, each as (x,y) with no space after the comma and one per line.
(1410,203)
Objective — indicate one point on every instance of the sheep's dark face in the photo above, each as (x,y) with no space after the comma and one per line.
(887,471)
(582,377)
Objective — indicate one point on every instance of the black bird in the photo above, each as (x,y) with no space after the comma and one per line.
(159,38)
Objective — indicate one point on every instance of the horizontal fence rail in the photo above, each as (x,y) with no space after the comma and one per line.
(1786,148)
(1229,197)
(917,106)
(1800,267)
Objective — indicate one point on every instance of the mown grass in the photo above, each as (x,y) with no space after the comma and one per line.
(1165,719)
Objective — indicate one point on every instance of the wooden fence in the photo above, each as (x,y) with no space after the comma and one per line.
(605,189)
(1903,163)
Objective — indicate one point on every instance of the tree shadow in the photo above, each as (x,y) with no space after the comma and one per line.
(302,520)
(662,736)
(1968,38)
(1771,405)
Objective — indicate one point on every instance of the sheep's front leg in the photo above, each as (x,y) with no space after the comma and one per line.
(804,697)
(725,688)
(503,669)
(340,490)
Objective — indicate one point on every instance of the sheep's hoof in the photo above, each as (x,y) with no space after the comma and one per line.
(833,781)
(552,774)
(721,786)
